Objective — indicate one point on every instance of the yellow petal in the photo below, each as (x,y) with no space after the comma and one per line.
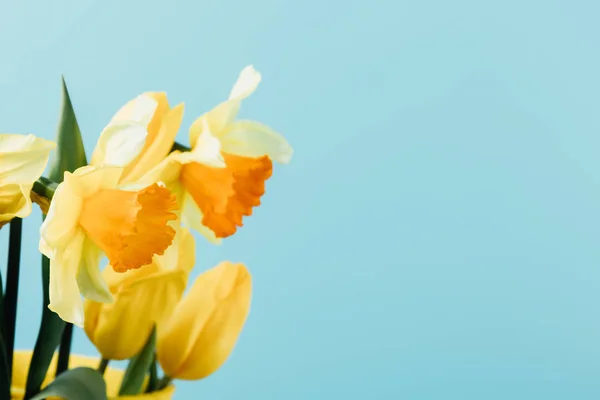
(123,138)
(246,84)
(65,298)
(253,139)
(206,323)
(89,279)
(15,201)
(23,158)
(161,136)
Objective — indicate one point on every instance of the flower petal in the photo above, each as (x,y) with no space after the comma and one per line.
(246,84)
(65,298)
(90,281)
(24,157)
(119,144)
(253,139)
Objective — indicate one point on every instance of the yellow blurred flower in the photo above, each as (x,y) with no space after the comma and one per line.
(23,159)
(91,213)
(142,298)
(223,176)
(113,377)
(206,323)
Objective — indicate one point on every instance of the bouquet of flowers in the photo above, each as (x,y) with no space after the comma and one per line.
(135,202)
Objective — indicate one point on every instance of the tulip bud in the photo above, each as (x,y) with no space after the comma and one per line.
(206,323)
(142,298)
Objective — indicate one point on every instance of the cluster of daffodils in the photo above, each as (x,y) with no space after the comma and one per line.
(136,203)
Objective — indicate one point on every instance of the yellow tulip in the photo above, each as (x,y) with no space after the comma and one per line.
(206,323)
(23,159)
(223,176)
(142,298)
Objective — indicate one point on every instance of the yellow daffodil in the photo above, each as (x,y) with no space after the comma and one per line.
(223,176)
(142,298)
(206,323)
(23,159)
(91,214)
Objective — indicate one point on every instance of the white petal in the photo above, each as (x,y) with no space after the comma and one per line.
(141,110)
(65,298)
(120,143)
(207,150)
(246,84)
(89,279)
(253,139)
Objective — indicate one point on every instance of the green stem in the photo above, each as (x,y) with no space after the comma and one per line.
(153,378)
(45,187)
(164,382)
(4,371)
(103,364)
(64,350)
(12,286)
(179,147)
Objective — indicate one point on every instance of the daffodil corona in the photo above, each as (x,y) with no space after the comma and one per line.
(23,159)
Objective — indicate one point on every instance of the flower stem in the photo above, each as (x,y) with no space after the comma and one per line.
(103,364)
(12,286)
(164,382)
(64,350)
(180,147)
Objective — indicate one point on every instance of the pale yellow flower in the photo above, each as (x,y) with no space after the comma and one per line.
(23,159)
(91,214)
(142,298)
(223,177)
(206,323)
(113,377)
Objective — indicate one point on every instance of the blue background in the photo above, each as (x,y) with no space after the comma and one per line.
(436,234)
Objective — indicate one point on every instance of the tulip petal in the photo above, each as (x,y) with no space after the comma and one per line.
(207,323)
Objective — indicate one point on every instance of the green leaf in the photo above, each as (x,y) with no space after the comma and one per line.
(70,153)
(48,338)
(138,367)
(76,384)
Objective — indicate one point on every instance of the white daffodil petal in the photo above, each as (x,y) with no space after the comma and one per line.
(141,110)
(120,143)
(246,84)
(90,281)
(253,139)
(24,157)
(65,298)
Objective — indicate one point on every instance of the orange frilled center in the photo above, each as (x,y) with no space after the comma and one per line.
(226,195)
(130,227)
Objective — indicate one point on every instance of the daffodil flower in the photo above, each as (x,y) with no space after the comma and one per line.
(206,324)
(142,298)
(23,159)
(92,213)
(223,177)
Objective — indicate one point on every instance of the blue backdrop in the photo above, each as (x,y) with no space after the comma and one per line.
(436,234)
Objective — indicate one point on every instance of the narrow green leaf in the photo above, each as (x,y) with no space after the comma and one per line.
(76,384)
(138,366)
(70,153)
(153,378)
(48,338)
